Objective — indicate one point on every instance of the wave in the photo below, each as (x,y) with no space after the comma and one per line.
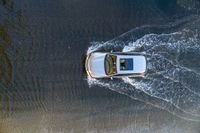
(172,81)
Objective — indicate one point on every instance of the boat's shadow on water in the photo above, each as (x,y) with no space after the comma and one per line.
(83,59)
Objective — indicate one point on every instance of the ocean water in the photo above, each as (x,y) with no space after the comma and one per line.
(43,86)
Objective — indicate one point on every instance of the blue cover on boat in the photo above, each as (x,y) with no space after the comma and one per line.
(128,64)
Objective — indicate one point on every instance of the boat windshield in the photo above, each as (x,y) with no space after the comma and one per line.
(110,64)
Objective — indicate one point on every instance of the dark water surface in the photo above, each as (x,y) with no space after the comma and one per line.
(43,85)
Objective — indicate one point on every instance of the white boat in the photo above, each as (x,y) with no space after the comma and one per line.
(115,64)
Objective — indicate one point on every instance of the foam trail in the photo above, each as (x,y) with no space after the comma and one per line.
(172,81)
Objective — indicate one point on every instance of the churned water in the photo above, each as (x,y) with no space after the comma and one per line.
(173,67)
